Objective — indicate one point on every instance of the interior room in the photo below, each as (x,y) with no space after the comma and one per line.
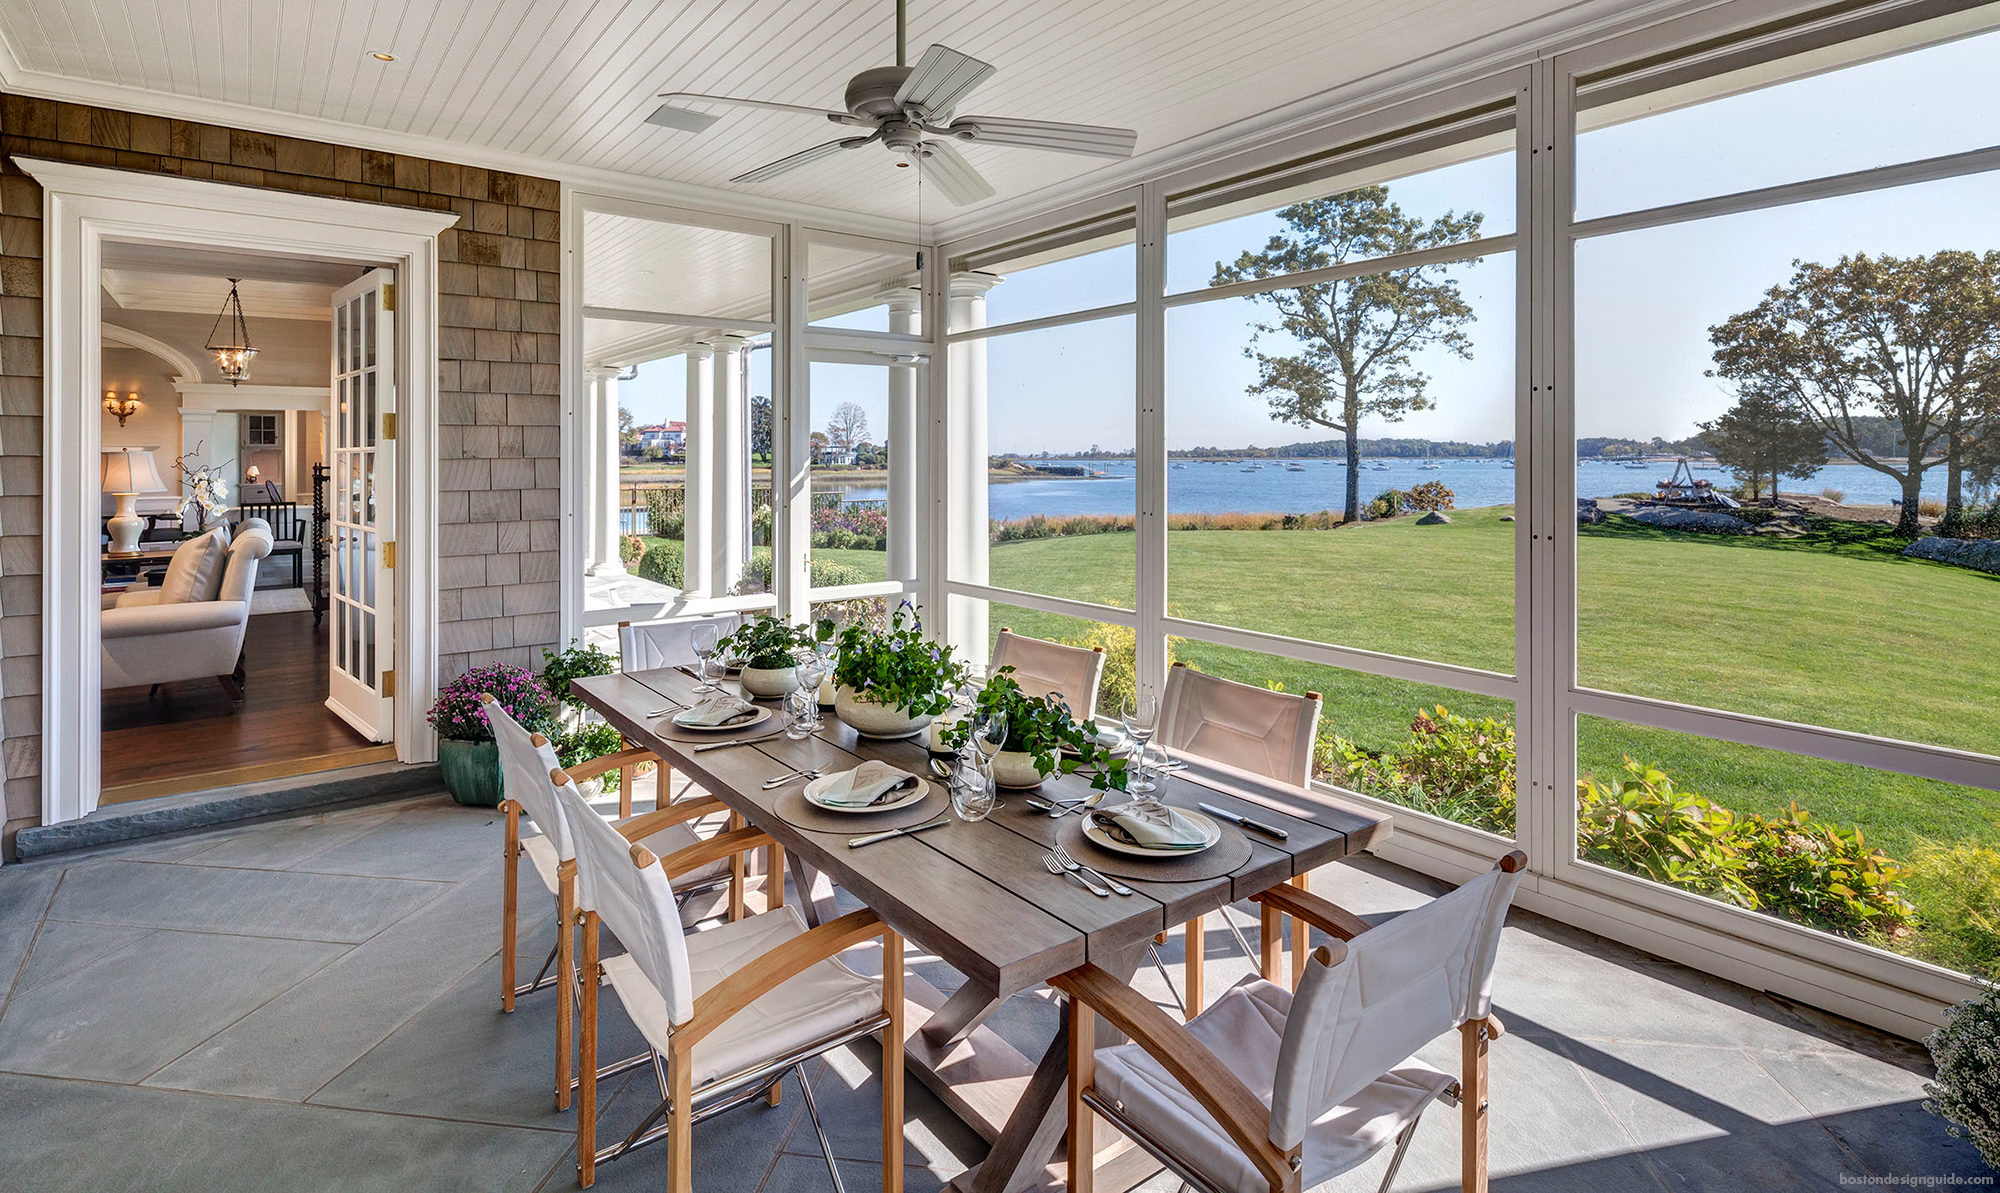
(1010,597)
(195,448)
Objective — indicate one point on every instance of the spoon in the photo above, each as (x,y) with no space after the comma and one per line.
(942,770)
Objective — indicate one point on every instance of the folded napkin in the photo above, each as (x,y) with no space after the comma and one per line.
(870,783)
(719,709)
(1150,825)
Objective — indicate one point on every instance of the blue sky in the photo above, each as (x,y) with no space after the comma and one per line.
(1644,299)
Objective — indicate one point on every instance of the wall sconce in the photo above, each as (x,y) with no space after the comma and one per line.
(123,408)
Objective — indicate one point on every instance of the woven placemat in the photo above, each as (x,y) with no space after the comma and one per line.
(1224,857)
(794,809)
(665,727)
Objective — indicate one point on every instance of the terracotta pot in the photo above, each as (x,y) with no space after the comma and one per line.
(1016,769)
(771,683)
(872,719)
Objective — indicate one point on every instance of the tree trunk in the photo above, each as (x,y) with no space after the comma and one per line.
(1913,487)
(1353,473)
(1954,494)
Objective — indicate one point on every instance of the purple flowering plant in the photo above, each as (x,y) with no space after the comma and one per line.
(457,714)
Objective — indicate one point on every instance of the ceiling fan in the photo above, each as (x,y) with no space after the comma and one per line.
(910,110)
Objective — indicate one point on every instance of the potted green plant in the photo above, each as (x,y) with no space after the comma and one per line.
(768,647)
(467,755)
(1043,738)
(594,739)
(892,681)
(1966,1051)
(578,661)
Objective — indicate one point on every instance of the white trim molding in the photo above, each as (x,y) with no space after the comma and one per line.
(186,372)
(86,206)
(210,395)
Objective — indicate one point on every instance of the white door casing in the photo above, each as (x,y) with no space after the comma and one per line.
(84,206)
(361,507)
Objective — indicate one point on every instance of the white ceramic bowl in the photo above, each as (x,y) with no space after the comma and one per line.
(871,719)
(770,682)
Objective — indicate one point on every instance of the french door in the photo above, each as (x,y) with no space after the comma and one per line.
(362,507)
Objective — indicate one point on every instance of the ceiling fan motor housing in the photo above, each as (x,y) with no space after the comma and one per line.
(872,93)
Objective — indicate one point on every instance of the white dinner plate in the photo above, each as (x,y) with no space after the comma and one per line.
(812,790)
(1104,840)
(760,716)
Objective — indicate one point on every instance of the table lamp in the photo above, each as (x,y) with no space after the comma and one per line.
(128,472)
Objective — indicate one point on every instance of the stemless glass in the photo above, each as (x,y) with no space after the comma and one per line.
(800,705)
(974,795)
(703,638)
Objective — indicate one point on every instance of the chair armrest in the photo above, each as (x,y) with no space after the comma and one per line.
(765,972)
(603,762)
(126,622)
(701,853)
(1220,1092)
(640,827)
(1330,918)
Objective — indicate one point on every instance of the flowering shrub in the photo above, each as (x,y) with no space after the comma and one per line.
(1431,495)
(1966,1093)
(457,715)
(864,527)
(630,548)
(1452,766)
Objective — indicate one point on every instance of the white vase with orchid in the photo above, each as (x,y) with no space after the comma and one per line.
(205,489)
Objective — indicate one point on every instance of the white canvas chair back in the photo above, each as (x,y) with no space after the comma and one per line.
(1400,986)
(1250,728)
(637,905)
(524,775)
(1043,668)
(666,643)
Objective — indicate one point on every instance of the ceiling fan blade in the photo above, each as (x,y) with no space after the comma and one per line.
(955,176)
(941,78)
(803,157)
(669,116)
(1046,134)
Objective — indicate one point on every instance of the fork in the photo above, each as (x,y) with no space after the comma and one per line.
(794,777)
(1056,867)
(1071,864)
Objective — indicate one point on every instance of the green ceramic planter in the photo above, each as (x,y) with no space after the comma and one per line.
(471,771)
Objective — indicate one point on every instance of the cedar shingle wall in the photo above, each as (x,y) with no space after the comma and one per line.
(498,376)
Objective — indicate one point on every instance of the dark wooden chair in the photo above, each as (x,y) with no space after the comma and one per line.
(288,531)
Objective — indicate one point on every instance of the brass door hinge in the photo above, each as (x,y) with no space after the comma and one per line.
(388,684)
(389,296)
(389,555)
(388,424)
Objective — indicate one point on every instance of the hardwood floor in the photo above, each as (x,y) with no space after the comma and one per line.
(188,739)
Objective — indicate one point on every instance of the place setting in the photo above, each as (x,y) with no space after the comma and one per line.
(871,798)
(1144,837)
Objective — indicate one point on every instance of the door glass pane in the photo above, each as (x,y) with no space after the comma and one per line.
(368,302)
(1904,863)
(853,413)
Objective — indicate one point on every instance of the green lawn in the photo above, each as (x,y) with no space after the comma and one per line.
(1835,628)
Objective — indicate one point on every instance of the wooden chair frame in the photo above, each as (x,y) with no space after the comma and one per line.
(714,1006)
(1093,992)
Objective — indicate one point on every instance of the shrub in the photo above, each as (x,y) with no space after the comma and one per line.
(1958,888)
(1816,874)
(1431,495)
(665,562)
(825,573)
(1642,824)
(1452,766)
(1387,504)
(1119,681)
(1837,496)
(1930,507)
(595,739)
(630,548)
(1966,1093)
(578,661)
(458,715)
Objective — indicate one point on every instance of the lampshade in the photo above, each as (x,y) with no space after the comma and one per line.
(131,470)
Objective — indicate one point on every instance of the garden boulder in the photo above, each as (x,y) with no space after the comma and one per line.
(1434,518)
(1981,555)
(1706,521)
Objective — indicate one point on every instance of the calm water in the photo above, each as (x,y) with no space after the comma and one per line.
(1220,488)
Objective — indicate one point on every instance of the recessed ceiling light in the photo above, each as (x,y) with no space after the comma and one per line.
(381,55)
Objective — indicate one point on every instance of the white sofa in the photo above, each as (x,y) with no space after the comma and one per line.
(146,642)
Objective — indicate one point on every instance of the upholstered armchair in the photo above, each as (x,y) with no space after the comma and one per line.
(147,640)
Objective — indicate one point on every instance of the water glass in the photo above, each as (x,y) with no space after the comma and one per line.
(703,639)
(974,795)
(801,712)
(811,671)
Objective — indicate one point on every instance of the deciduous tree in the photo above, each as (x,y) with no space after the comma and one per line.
(1357,338)
(1762,437)
(848,427)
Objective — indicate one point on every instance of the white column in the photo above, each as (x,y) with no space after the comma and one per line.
(604,548)
(700,453)
(729,474)
(966,465)
(594,379)
(901,437)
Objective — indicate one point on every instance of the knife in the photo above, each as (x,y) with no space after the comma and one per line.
(1244,821)
(858,842)
(746,741)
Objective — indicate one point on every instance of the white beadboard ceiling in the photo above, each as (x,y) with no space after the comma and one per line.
(570,82)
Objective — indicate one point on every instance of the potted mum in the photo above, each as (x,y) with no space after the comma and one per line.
(768,648)
(467,755)
(892,681)
(1042,738)
(1967,1090)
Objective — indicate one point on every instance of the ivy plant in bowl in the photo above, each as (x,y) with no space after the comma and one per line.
(769,649)
(893,680)
(1043,738)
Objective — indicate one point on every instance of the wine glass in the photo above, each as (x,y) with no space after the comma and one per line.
(811,670)
(703,639)
(1141,714)
(989,737)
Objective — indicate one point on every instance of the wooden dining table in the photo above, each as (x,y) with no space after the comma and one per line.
(977,896)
